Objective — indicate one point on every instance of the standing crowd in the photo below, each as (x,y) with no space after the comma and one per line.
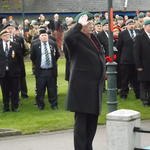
(84,42)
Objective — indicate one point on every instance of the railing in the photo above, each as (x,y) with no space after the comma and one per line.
(140,130)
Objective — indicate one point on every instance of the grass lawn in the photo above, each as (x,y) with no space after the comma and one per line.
(31,120)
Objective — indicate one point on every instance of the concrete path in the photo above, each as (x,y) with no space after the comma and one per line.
(61,140)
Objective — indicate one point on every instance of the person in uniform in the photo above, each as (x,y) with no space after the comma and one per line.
(20,42)
(44,57)
(10,71)
(126,62)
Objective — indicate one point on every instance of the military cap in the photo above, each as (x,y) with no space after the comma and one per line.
(42,31)
(141,16)
(129,21)
(90,16)
(104,22)
(3,32)
(96,15)
(146,22)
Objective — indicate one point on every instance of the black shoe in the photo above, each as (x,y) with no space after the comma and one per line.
(15,110)
(40,108)
(6,110)
(54,107)
(24,96)
(123,97)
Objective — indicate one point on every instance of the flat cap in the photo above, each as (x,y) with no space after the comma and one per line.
(129,21)
(90,16)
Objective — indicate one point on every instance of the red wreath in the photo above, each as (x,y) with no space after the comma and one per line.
(111,59)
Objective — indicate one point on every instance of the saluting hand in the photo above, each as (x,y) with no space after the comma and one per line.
(83,20)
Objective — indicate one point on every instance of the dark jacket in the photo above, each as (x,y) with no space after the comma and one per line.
(142,56)
(86,72)
(20,41)
(103,39)
(36,56)
(14,60)
(125,47)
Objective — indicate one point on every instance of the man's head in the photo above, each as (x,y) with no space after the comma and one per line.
(43,35)
(98,26)
(120,21)
(86,20)
(5,35)
(10,28)
(105,25)
(147,26)
(96,17)
(130,24)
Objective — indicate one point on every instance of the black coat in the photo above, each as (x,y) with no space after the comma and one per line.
(36,57)
(14,61)
(142,56)
(86,72)
(103,39)
(125,47)
(20,41)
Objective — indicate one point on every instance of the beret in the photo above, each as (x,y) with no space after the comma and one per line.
(104,22)
(120,18)
(129,21)
(141,16)
(146,22)
(96,15)
(98,22)
(90,16)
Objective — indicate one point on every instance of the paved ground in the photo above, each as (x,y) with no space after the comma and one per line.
(61,140)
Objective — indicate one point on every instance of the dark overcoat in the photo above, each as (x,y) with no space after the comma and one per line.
(125,47)
(142,56)
(14,60)
(86,72)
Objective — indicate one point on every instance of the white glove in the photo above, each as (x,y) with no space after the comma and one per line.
(83,20)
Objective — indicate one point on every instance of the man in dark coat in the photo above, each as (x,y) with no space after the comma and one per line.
(85,81)
(142,60)
(20,42)
(103,37)
(10,60)
(44,55)
(126,60)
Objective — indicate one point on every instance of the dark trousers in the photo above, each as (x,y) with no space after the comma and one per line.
(10,91)
(145,92)
(129,76)
(49,82)
(84,130)
(23,87)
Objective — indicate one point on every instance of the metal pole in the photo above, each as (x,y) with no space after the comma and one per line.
(111,67)
(23,15)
